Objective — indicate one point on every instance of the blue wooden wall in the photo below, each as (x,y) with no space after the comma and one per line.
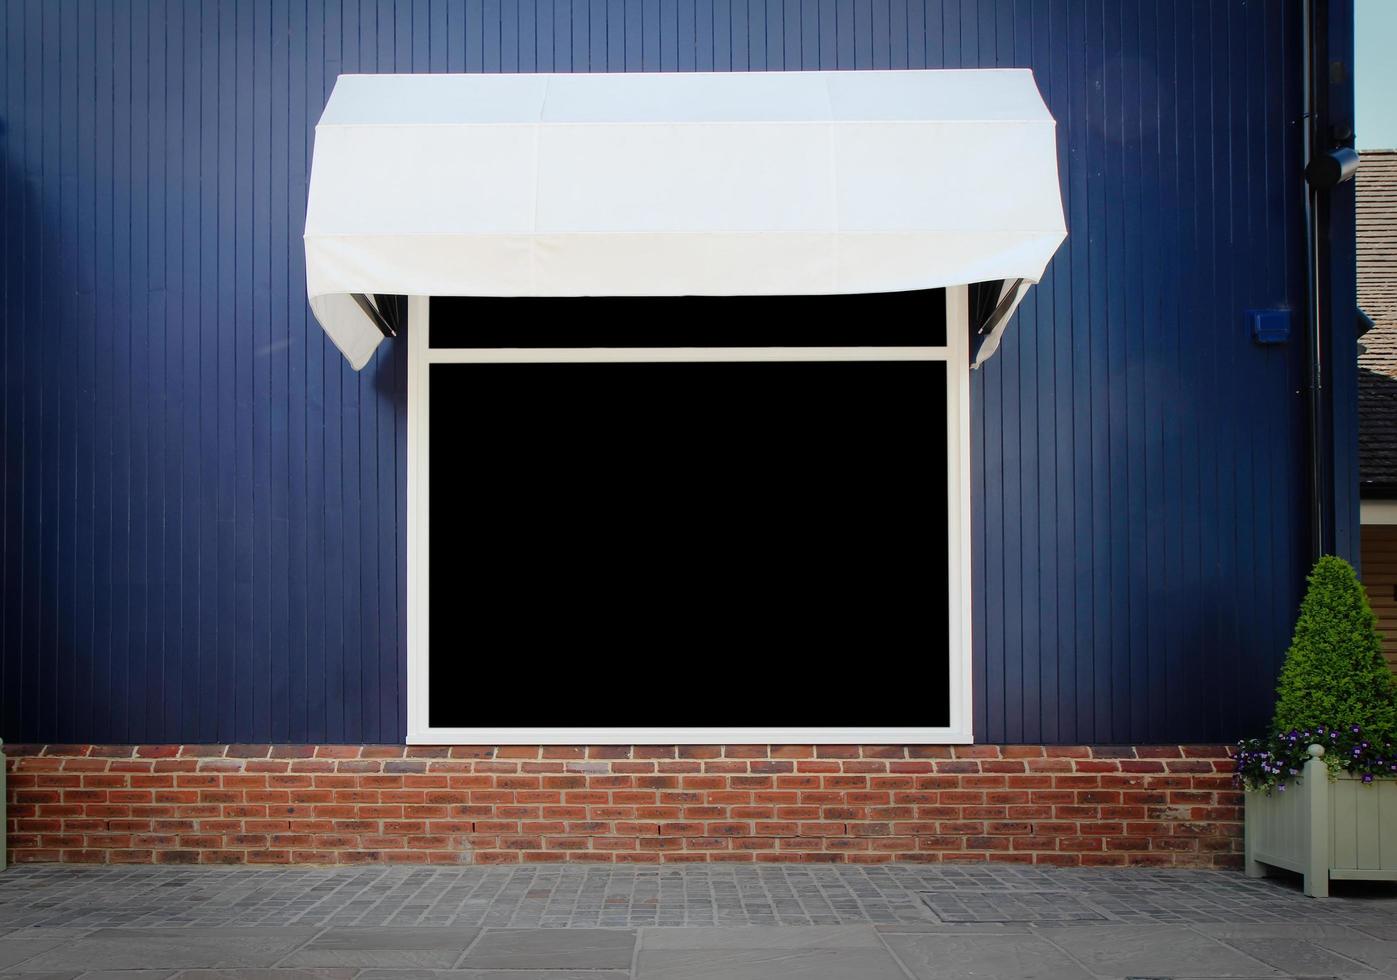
(203,507)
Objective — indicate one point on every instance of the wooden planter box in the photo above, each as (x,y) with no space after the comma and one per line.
(1325,829)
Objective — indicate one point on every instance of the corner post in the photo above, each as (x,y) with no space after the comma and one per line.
(4,814)
(959,511)
(419,310)
(1316,788)
(1250,829)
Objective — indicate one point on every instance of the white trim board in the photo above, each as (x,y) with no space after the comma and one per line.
(688,736)
(956,353)
(676,355)
(1377,512)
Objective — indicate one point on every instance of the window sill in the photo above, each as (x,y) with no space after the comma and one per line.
(689,736)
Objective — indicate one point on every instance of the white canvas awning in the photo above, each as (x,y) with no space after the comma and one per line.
(675,184)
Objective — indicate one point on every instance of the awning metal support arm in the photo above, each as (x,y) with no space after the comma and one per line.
(1006,304)
(372,313)
(986,334)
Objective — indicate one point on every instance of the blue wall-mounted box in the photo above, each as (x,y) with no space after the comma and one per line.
(1269,326)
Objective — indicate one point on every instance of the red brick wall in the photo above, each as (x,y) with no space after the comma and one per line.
(1167,805)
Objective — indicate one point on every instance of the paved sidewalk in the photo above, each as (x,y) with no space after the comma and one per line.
(682,922)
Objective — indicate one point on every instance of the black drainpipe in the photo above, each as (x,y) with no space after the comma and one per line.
(1330,159)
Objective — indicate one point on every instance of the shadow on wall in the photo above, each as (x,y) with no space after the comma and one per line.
(389,363)
(61,584)
(38,426)
(201,505)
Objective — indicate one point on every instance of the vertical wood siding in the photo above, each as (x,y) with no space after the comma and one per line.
(203,507)
(1380,579)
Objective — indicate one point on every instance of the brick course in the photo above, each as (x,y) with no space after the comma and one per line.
(345,804)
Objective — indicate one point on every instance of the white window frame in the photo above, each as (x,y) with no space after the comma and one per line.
(956,355)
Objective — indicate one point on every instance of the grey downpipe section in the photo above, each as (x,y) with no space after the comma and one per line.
(1330,160)
(1315,355)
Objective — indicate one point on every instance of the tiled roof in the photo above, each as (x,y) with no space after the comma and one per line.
(1377,295)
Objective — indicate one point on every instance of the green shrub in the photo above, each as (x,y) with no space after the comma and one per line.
(1334,673)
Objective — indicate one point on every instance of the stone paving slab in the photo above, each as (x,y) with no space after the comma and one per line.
(1376,954)
(384,946)
(762,937)
(768,964)
(1298,956)
(1154,951)
(1378,929)
(955,904)
(1294,929)
(14,951)
(552,949)
(950,957)
(141,949)
(493,975)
